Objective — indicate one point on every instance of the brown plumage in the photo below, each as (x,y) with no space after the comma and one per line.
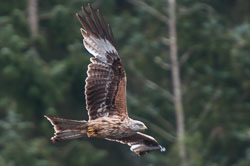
(105,94)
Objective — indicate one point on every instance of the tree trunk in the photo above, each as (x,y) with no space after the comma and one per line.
(176,82)
(33,17)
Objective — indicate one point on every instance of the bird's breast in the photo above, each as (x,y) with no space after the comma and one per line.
(107,127)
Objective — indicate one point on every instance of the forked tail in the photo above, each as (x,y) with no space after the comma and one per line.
(66,129)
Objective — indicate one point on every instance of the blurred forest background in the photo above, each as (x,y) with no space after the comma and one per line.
(43,68)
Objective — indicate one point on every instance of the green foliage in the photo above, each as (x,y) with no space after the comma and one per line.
(45,75)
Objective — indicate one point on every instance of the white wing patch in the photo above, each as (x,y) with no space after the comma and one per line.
(147,136)
(98,47)
(143,147)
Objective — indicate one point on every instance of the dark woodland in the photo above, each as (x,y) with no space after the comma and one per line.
(188,70)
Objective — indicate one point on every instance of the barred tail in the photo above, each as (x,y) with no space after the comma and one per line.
(66,129)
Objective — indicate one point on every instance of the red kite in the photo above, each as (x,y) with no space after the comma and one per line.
(105,93)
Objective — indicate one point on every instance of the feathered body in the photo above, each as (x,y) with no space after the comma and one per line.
(110,127)
(105,94)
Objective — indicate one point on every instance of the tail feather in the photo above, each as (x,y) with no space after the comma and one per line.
(66,129)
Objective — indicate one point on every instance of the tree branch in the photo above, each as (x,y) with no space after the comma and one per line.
(158,60)
(185,57)
(153,85)
(149,10)
(151,111)
(206,110)
(33,17)
(176,82)
(157,129)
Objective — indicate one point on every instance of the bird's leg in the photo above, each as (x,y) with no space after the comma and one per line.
(91,132)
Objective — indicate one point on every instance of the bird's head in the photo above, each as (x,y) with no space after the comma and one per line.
(137,125)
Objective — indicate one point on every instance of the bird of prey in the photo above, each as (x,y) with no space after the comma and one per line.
(105,93)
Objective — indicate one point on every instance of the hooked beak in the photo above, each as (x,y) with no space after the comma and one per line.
(144,128)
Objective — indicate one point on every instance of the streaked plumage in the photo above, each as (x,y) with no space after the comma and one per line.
(105,94)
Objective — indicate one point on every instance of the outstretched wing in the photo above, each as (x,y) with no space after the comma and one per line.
(105,89)
(141,143)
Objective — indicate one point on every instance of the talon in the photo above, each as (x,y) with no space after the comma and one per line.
(90,129)
(91,134)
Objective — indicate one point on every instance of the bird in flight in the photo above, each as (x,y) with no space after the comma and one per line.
(105,94)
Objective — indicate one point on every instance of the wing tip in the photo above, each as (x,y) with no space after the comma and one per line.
(83,32)
(82,8)
(49,118)
(89,5)
(96,24)
(162,149)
